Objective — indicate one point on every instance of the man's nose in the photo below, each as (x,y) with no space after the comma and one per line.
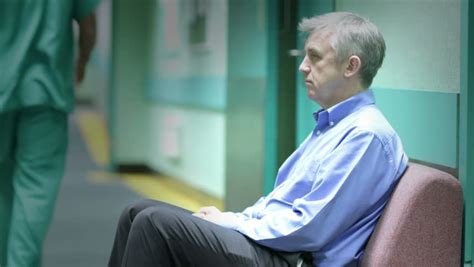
(304,67)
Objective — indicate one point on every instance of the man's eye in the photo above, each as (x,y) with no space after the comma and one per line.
(314,57)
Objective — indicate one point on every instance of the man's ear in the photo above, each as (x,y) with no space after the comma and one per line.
(353,66)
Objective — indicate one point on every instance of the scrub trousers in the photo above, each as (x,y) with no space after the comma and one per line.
(33,144)
(153,233)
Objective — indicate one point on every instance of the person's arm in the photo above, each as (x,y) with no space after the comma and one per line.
(354,182)
(87,37)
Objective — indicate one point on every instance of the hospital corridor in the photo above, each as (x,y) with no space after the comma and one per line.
(324,132)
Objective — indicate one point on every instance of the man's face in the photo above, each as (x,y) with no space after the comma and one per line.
(323,75)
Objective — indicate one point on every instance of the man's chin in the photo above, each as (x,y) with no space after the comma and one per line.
(311,94)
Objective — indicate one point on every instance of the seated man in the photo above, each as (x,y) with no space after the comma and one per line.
(328,194)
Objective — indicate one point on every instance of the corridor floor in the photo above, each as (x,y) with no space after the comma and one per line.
(91,199)
(86,213)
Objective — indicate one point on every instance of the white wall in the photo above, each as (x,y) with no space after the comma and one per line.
(422,38)
(189,144)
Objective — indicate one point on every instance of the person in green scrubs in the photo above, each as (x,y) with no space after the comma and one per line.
(39,67)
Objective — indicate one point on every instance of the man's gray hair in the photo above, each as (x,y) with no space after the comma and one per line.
(351,35)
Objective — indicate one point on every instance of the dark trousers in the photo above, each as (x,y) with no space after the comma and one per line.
(153,233)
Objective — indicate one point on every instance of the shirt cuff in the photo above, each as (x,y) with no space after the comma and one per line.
(237,220)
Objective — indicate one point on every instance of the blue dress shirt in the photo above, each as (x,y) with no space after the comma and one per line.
(330,192)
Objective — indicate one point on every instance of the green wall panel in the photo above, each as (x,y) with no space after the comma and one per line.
(466,127)
(245,107)
(205,92)
(271,99)
(250,29)
(426,122)
(130,55)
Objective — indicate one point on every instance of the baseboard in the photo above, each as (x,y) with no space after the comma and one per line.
(135,168)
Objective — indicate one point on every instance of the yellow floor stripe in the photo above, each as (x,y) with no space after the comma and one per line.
(161,188)
(103,177)
(93,130)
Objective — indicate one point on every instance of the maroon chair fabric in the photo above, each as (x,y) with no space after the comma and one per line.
(421,224)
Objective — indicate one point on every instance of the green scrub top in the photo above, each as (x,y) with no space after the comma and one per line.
(37,58)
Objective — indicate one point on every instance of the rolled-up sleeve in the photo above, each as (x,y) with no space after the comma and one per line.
(82,8)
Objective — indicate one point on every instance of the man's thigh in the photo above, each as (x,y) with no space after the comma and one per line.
(192,241)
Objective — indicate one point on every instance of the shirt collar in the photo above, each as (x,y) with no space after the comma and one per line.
(336,113)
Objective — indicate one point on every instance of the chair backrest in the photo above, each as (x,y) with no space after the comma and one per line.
(421,224)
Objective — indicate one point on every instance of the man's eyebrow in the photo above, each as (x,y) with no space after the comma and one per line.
(313,50)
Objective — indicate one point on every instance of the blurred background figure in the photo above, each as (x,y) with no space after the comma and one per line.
(37,79)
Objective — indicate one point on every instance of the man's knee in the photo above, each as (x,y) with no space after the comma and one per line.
(132,210)
(162,219)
